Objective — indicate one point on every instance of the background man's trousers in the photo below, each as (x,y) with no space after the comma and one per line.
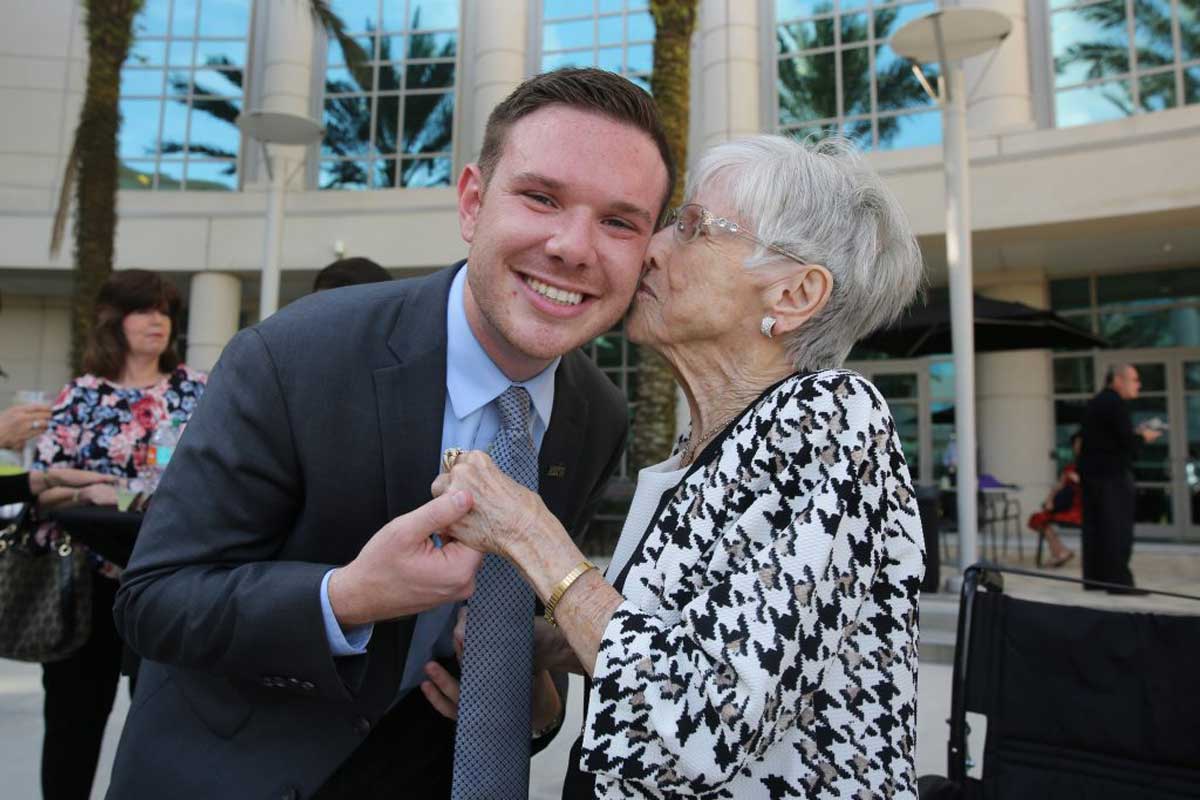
(1107,538)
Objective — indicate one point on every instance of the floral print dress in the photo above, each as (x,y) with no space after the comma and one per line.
(101,426)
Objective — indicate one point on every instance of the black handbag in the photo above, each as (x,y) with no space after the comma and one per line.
(45,595)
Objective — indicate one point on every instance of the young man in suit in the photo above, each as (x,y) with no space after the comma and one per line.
(285,590)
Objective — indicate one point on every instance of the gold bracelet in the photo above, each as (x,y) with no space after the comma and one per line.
(561,589)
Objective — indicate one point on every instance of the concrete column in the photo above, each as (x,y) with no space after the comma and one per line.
(213,304)
(727,105)
(1015,401)
(1000,92)
(495,51)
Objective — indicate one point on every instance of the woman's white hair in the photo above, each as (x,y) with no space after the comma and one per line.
(820,200)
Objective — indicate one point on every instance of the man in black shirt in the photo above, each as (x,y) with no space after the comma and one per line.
(1106,476)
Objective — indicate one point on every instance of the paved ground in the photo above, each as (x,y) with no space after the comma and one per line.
(1164,567)
(21,731)
(1174,568)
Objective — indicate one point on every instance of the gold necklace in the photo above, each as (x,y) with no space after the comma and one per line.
(693,449)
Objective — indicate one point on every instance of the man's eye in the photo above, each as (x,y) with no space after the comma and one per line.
(621,223)
(539,198)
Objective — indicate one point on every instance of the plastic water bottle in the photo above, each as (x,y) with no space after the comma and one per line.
(158,456)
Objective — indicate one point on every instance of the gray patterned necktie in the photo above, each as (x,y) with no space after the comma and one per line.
(491,745)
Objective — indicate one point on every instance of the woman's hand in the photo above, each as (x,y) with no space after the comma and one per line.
(503,508)
(98,494)
(19,424)
(58,476)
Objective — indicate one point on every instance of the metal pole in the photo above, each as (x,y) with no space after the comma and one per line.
(268,296)
(962,330)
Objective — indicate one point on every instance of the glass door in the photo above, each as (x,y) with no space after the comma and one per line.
(1167,471)
(904,385)
(1189,448)
(1152,468)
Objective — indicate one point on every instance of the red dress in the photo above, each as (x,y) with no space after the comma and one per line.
(1073,515)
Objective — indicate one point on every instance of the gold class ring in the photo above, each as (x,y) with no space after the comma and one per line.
(449,456)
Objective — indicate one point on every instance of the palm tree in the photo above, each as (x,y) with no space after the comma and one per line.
(93,160)
(92,169)
(654,419)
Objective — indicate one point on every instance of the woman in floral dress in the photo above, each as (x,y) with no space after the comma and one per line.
(103,421)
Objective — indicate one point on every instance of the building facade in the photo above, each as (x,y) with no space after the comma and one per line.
(1085,163)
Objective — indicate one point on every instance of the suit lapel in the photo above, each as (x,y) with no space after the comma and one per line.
(411,398)
(558,461)
(411,395)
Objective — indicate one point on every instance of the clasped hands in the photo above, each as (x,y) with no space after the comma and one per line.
(475,509)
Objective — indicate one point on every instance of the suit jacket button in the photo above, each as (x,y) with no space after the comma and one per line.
(290,793)
(362,726)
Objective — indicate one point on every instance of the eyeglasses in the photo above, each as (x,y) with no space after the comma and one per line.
(692,219)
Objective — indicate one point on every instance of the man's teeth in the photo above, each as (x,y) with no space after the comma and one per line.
(557,295)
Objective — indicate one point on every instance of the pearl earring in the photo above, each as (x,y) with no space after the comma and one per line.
(767,327)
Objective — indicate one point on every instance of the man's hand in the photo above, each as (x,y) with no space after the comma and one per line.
(400,571)
(442,688)
(1149,434)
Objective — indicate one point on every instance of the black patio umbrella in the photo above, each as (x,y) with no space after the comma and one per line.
(999,325)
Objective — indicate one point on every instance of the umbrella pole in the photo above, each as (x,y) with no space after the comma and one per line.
(962,325)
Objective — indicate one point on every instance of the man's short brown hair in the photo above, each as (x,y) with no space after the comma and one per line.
(587,89)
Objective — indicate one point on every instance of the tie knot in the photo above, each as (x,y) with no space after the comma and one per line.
(513,406)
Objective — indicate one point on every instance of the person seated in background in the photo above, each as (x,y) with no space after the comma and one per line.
(350,272)
(1063,505)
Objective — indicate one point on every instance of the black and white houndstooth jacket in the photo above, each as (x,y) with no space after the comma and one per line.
(767,646)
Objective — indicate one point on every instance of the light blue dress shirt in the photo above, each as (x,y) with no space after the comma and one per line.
(470,422)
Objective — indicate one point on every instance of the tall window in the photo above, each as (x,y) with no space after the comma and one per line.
(617,35)
(836,73)
(1115,58)
(181,92)
(391,124)
(1141,309)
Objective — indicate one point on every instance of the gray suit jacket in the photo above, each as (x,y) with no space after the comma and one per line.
(317,427)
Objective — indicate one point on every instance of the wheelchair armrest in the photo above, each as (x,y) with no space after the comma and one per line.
(937,787)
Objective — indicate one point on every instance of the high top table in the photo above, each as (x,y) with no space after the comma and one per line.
(107,531)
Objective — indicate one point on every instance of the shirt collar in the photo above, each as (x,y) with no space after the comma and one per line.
(472,379)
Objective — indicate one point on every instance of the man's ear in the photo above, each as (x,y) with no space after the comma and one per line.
(470,199)
(798,297)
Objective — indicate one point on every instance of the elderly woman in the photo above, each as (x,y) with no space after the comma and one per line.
(103,421)
(756,632)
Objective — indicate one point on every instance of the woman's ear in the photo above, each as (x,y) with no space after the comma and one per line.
(795,299)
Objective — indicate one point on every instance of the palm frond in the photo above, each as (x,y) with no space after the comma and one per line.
(62,209)
(357,60)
